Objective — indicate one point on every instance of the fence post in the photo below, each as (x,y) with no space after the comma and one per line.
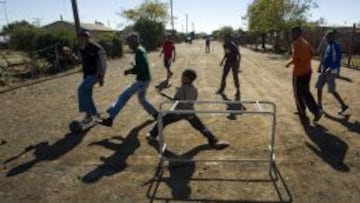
(350,45)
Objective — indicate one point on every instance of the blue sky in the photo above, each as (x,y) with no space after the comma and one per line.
(204,15)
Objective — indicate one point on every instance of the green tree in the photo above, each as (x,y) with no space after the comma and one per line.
(151,33)
(9,29)
(149,20)
(277,16)
(153,10)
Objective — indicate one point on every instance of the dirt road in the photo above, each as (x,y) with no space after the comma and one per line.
(43,162)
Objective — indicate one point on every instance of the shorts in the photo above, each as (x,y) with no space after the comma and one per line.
(327,78)
(167,62)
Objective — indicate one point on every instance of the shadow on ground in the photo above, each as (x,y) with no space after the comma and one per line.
(45,152)
(181,175)
(351,126)
(116,162)
(233,106)
(328,147)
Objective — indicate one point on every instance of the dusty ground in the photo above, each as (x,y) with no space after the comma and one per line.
(43,162)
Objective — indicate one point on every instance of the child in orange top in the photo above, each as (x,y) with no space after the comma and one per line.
(302,53)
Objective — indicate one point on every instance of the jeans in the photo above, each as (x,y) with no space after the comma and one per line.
(85,90)
(138,87)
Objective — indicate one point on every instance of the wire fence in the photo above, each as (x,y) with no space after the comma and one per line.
(347,37)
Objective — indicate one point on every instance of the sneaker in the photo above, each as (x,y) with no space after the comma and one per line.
(86,120)
(107,122)
(218,144)
(344,110)
(98,118)
(151,138)
(318,116)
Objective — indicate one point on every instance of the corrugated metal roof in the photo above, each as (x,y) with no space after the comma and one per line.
(87,26)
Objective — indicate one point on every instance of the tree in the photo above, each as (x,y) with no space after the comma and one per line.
(9,29)
(152,10)
(277,15)
(150,18)
(222,32)
(151,33)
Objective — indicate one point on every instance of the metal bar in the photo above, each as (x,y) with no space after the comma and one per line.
(174,106)
(259,106)
(213,160)
(260,111)
(219,112)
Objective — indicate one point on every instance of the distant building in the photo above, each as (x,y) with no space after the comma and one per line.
(96,29)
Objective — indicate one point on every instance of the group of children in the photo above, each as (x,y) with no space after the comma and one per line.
(94,67)
(329,69)
(140,68)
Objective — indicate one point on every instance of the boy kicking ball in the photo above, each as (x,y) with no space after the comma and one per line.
(188,92)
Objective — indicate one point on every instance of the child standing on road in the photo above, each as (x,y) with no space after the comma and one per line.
(142,72)
(168,49)
(188,92)
(230,61)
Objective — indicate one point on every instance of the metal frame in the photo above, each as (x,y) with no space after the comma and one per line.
(260,110)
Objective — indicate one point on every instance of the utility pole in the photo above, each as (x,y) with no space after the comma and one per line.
(76,16)
(5,11)
(172,17)
(187,25)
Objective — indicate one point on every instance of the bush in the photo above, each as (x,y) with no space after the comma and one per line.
(151,33)
(112,44)
(48,40)
(21,38)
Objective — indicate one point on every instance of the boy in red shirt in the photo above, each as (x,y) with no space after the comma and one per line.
(168,49)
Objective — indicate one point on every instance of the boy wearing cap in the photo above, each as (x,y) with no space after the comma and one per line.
(93,59)
(330,67)
(139,87)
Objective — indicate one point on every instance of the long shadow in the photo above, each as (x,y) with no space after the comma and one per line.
(328,147)
(45,152)
(181,174)
(38,82)
(232,106)
(116,162)
(353,127)
(346,79)
(163,85)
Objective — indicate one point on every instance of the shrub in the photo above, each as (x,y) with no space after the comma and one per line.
(21,38)
(151,33)
(112,44)
(48,40)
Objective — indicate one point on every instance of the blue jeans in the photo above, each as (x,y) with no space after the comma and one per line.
(138,87)
(85,90)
